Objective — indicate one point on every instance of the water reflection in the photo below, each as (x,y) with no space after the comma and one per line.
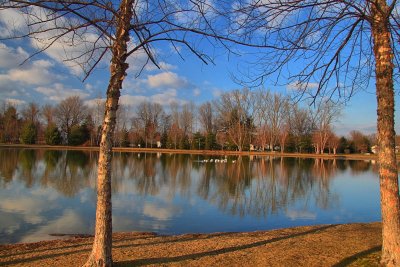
(48,191)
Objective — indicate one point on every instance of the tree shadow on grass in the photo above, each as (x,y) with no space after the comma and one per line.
(177,239)
(165,260)
(353,258)
(74,250)
(185,238)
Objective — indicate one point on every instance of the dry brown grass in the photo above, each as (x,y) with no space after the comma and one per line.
(326,245)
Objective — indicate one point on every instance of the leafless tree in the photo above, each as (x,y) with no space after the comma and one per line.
(283,135)
(235,115)
(261,119)
(342,45)
(325,113)
(360,141)
(48,114)
(300,123)
(120,124)
(31,113)
(333,142)
(187,120)
(206,117)
(276,108)
(148,116)
(68,113)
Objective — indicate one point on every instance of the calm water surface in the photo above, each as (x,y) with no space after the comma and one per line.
(45,192)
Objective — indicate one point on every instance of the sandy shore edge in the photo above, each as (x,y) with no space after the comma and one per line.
(202,152)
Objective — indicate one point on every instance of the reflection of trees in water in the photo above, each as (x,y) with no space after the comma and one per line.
(147,182)
(267,185)
(27,162)
(65,171)
(359,166)
(257,186)
(178,168)
(8,163)
(151,172)
(323,171)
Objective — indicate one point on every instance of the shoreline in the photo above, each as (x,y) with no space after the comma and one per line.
(203,152)
(318,245)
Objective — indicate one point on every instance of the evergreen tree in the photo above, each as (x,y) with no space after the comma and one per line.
(52,135)
(28,135)
(79,135)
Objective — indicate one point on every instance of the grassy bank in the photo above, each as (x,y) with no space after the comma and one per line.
(322,245)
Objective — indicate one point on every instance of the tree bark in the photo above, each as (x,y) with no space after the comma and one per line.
(102,245)
(389,187)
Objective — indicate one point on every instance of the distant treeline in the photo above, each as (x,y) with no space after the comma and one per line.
(239,120)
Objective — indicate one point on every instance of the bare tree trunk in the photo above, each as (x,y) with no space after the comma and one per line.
(101,251)
(389,187)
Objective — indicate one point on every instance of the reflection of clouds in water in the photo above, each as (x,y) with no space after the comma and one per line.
(87,195)
(50,195)
(69,222)
(9,222)
(40,168)
(29,207)
(21,206)
(161,210)
(301,214)
(159,213)
(143,216)
(127,223)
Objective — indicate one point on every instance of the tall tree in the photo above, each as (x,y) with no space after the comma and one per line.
(343,44)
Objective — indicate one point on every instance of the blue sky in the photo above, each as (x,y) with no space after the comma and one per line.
(46,78)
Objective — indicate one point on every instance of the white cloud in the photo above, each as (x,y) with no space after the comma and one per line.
(94,103)
(37,73)
(70,45)
(195,13)
(11,57)
(164,98)
(297,85)
(166,66)
(59,92)
(216,92)
(166,79)
(11,20)
(196,92)
(139,61)
(167,97)
(133,101)
(15,102)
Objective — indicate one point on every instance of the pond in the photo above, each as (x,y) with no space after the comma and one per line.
(47,192)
